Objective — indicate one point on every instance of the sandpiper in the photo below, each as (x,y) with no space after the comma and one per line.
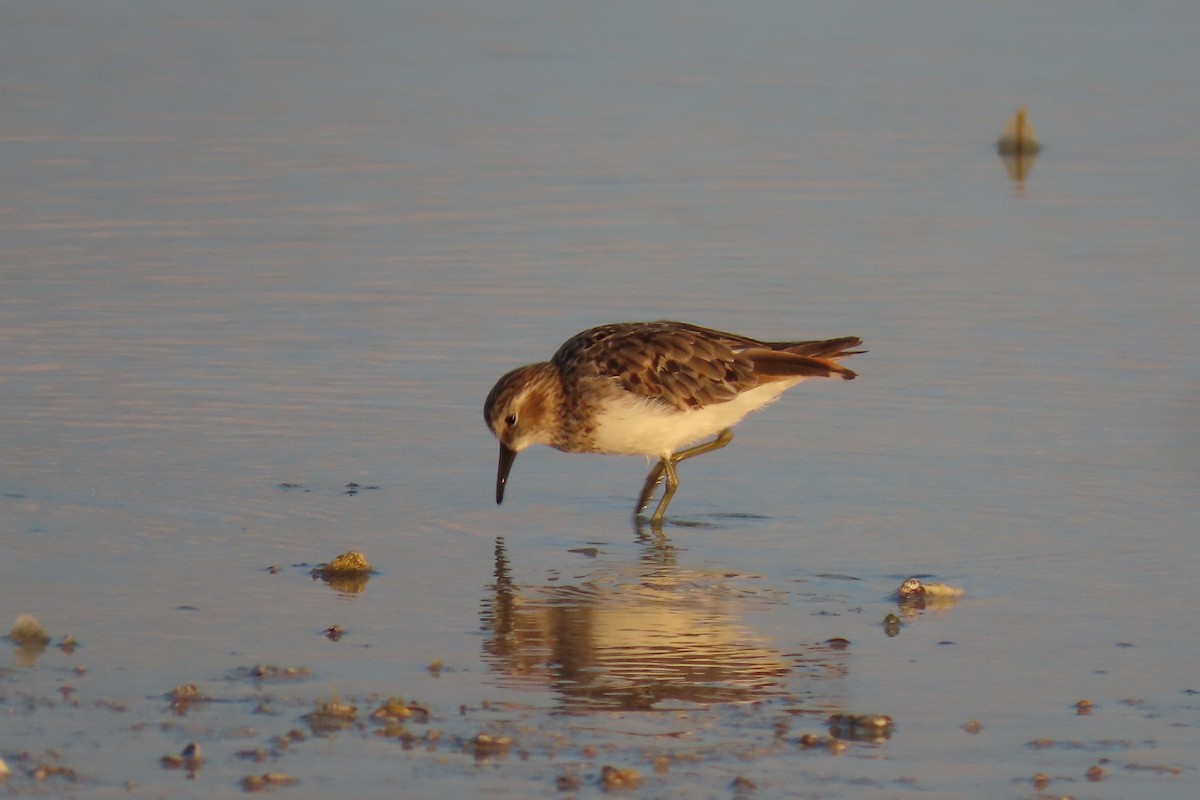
(649,388)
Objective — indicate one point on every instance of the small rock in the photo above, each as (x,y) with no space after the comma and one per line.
(257,783)
(28,631)
(348,563)
(568,783)
(484,745)
(619,778)
(190,758)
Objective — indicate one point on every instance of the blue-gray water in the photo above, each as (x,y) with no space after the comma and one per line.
(244,245)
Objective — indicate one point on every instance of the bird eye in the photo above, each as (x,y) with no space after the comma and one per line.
(511,420)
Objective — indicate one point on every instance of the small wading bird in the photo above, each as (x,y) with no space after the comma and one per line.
(649,388)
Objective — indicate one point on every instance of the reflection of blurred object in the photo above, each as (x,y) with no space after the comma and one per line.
(1018,146)
(1019,165)
(348,573)
(861,727)
(28,654)
(347,584)
(663,635)
(1018,135)
(917,595)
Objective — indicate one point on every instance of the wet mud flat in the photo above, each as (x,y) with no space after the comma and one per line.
(643,681)
(297,242)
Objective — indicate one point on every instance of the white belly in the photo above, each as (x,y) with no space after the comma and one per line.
(629,425)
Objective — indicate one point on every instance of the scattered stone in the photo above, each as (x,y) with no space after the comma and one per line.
(44,771)
(435,668)
(568,783)
(1041,781)
(861,727)
(284,741)
(334,633)
(972,726)
(1084,707)
(742,783)
(269,672)
(257,783)
(351,562)
(331,716)
(1095,773)
(258,754)
(917,595)
(811,741)
(190,758)
(27,631)
(619,778)
(394,709)
(67,645)
(484,745)
(348,573)
(186,696)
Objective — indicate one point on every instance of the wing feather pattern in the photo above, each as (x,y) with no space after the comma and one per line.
(688,366)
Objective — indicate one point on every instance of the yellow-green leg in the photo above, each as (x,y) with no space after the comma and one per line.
(665,468)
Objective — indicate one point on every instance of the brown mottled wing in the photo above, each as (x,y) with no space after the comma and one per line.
(684,365)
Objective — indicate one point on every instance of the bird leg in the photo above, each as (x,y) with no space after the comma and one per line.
(665,468)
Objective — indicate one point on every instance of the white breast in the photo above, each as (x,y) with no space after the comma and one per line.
(630,425)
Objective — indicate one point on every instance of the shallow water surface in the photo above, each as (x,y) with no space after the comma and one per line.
(262,264)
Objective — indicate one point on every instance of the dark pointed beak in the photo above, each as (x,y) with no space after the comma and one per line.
(507,456)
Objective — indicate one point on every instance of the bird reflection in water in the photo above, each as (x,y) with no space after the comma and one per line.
(644,638)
